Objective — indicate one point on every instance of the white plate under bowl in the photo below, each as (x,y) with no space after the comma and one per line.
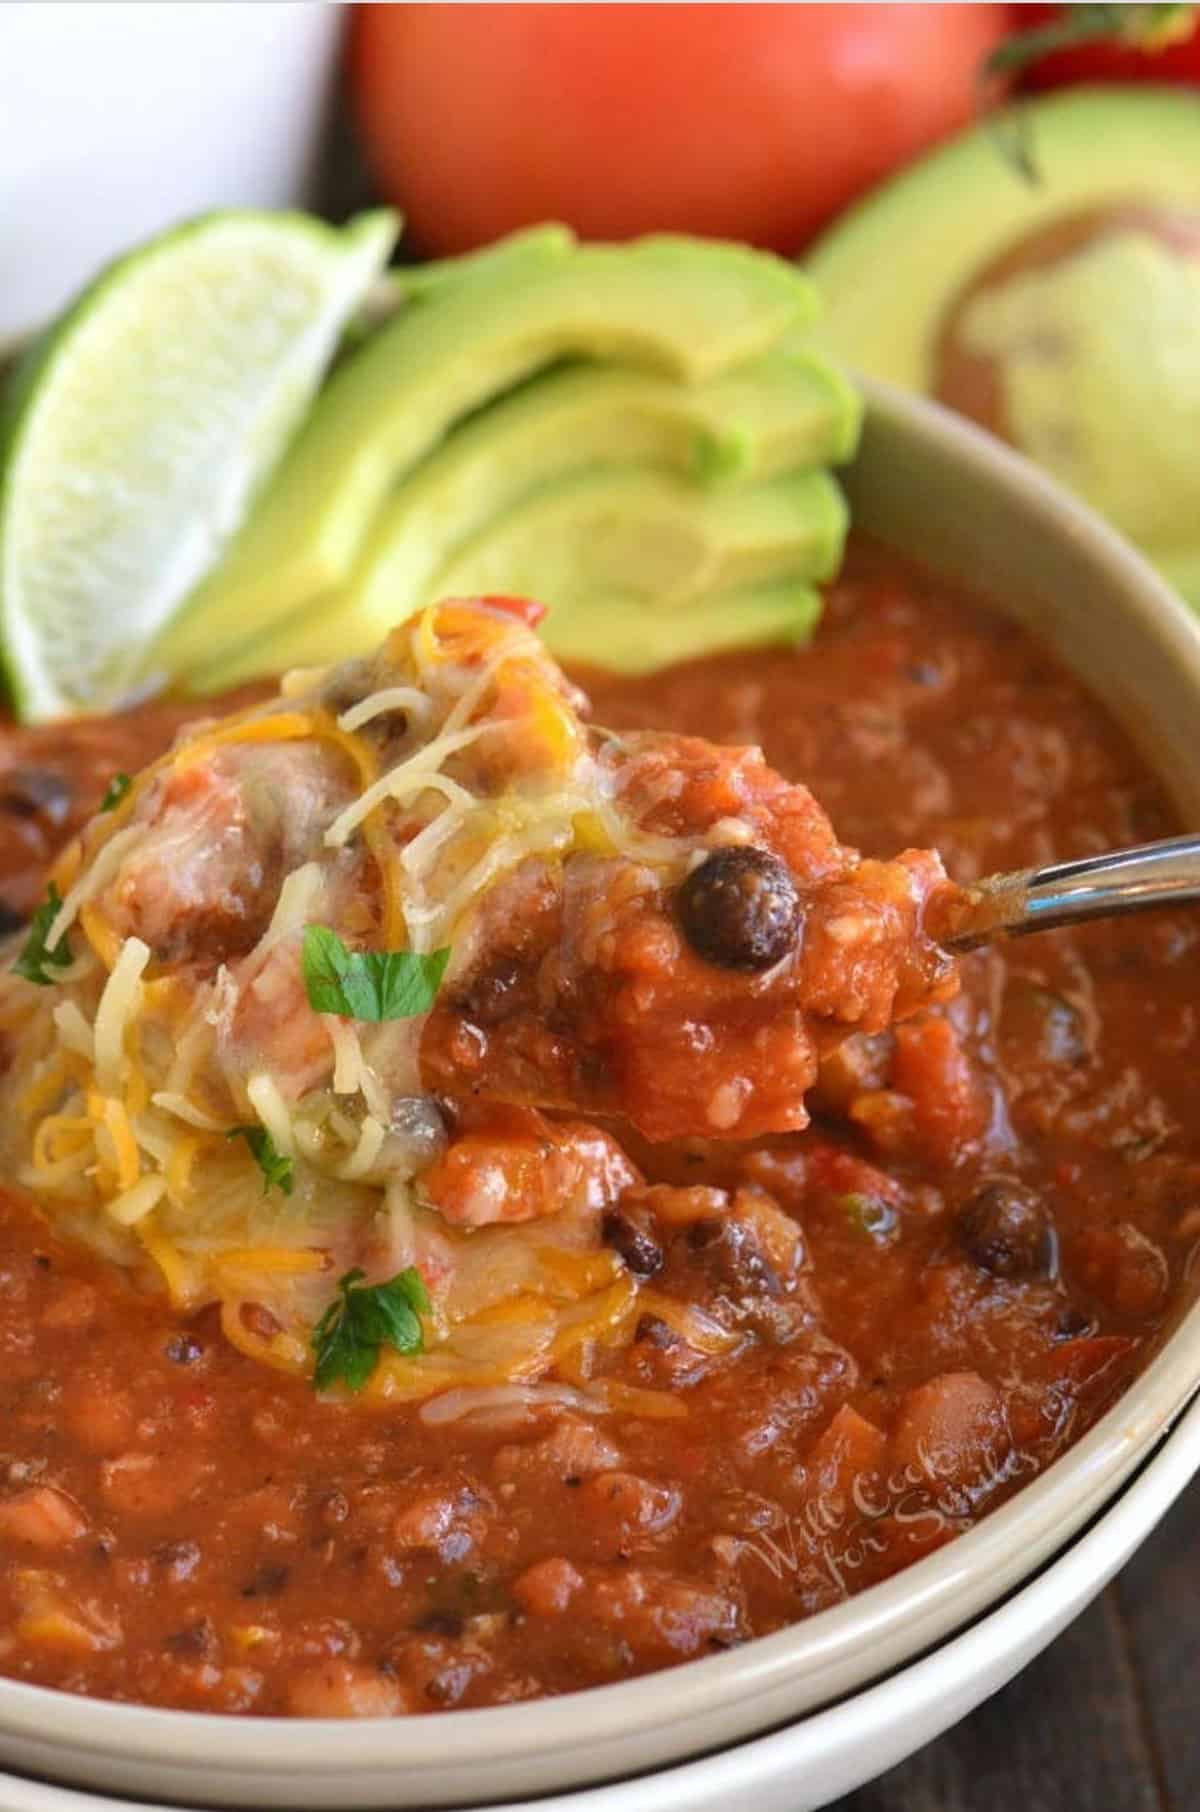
(930,484)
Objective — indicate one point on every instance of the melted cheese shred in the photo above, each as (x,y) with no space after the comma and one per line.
(466,757)
(119,1003)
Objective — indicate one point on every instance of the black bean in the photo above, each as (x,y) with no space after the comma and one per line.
(641,1251)
(705,1233)
(179,1558)
(656,1332)
(1007,1231)
(731,1257)
(183,1349)
(440,1623)
(1073,1324)
(492,995)
(197,1640)
(740,909)
(268,1582)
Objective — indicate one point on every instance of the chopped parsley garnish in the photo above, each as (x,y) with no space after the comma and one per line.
(368,984)
(114,792)
(278,1171)
(361,1319)
(35,960)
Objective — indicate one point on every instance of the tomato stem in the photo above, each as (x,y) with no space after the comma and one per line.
(1148,28)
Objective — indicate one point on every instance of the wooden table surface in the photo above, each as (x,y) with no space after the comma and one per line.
(1107,1720)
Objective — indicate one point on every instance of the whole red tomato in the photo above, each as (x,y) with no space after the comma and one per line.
(753,122)
(1107,60)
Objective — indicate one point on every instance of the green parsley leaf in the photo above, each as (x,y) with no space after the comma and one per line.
(368,984)
(35,959)
(361,1319)
(114,792)
(277,1170)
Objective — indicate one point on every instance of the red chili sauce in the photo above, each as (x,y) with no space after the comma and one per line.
(932,1292)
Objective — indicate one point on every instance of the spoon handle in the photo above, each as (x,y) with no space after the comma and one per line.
(1068,893)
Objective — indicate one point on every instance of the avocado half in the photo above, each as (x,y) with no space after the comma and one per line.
(623,431)
(1062,314)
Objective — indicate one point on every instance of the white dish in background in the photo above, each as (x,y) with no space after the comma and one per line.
(933,485)
(120,119)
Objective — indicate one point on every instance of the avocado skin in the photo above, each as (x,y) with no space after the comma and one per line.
(890,268)
(1091,340)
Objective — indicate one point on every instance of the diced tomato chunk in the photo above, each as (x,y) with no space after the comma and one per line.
(526,610)
(952,1431)
(931,1067)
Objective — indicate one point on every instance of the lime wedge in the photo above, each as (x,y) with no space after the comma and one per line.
(137,432)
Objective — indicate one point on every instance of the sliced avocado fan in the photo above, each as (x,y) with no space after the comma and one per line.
(654,536)
(649,400)
(640,640)
(662,544)
(785,412)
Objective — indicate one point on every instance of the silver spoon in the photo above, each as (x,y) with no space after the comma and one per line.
(1069,893)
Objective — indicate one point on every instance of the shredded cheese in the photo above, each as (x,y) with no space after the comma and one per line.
(283,726)
(409,699)
(125,1146)
(348,1065)
(296,905)
(135,1204)
(74,1031)
(118,1006)
(368,1148)
(127,1083)
(187,1111)
(271,1108)
(410,776)
(92,880)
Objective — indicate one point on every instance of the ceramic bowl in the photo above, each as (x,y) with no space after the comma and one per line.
(931,485)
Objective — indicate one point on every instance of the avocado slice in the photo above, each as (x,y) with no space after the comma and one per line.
(621,634)
(782,411)
(788,409)
(652,539)
(651,535)
(549,239)
(689,309)
(1064,316)
(932,228)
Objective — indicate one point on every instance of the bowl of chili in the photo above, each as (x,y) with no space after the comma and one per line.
(983,1352)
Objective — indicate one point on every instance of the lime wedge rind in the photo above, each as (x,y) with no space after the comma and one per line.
(137,433)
